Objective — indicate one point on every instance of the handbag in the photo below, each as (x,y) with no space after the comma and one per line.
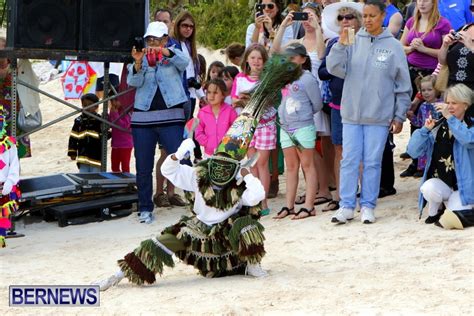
(28,122)
(442,79)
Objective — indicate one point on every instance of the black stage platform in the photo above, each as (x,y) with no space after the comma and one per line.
(79,197)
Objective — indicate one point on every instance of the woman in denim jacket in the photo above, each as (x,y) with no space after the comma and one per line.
(158,114)
(449,146)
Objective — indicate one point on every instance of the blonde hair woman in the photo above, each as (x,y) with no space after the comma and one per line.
(448,143)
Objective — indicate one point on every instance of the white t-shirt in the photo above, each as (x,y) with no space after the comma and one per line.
(191,73)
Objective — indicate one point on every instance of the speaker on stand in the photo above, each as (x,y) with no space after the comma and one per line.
(43,24)
(111,25)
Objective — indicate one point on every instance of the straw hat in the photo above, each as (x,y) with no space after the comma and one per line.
(449,220)
(330,12)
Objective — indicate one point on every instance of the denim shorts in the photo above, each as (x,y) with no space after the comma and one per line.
(306,136)
(336,127)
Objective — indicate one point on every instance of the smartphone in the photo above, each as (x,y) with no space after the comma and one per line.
(300,16)
(139,43)
(259,9)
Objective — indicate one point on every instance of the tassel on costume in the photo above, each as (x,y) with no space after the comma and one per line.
(145,262)
(246,239)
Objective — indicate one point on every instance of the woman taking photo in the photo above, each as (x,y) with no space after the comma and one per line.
(375,98)
(159,107)
(448,144)
(267,23)
(455,53)
(337,17)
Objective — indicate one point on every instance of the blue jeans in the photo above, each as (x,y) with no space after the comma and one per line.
(361,144)
(83,168)
(144,142)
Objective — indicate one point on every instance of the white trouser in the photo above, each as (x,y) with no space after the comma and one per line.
(435,192)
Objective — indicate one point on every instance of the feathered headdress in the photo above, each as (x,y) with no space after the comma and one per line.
(277,73)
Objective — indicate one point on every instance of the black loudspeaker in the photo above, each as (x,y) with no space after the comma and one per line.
(111,25)
(43,24)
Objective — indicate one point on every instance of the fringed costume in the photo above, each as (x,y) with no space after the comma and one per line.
(9,177)
(222,236)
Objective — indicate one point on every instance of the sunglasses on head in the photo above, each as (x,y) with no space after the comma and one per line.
(347,17)
(269,6)
(310,5)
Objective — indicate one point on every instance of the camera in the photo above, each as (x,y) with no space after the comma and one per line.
(456,35)
(259,8)
(139,43)
(300,16)
(193,83)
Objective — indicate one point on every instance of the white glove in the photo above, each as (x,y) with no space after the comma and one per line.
(7,188)
(185,149)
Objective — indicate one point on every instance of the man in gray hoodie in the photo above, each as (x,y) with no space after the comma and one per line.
(375,99)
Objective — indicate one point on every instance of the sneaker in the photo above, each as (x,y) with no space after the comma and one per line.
(342,215)
(176,200)
(255,270)
(146,217)
(113,280)
(367,215)
(161,200)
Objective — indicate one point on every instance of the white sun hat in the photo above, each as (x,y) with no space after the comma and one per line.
(329,16)
(156,29)
(449,220)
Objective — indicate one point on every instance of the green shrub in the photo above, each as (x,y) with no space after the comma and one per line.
(221,22)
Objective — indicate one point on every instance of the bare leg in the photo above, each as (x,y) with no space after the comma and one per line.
(322,177)
(329,156)
(307,163)
(337,169)
(292,163)
(160,179)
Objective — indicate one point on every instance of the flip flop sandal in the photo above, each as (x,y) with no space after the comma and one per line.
(285,209)
(300,199)
(321,200)
(332,206)
(303,210)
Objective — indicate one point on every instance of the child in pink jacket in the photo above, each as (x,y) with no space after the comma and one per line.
(214,118)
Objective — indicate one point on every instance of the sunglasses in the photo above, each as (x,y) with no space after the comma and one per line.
(155,40)
(269,6)
(187,26)
(347,17)
(310,5)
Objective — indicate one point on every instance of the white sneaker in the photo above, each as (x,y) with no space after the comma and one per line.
(367,215)
(113,280)
(342,215)
(255,270)
(146,217)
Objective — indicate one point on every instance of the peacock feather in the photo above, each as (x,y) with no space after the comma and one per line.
(277,73)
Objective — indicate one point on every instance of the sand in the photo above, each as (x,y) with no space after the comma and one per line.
(398,265)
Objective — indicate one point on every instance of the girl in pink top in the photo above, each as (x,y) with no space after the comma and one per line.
(265,136)
(122,142)
(214,118)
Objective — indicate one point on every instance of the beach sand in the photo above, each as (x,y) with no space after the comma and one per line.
(399,265)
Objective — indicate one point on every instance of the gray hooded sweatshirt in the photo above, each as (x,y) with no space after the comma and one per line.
(377,87)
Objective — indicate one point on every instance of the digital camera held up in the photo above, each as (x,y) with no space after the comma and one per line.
(193,83)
